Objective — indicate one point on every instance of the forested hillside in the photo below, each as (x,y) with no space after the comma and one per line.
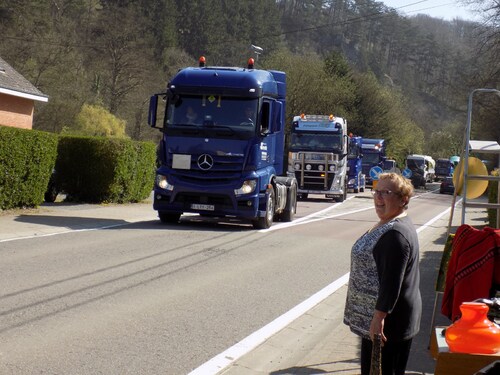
(402,78)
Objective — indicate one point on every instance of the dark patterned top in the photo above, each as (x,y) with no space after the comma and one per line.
(362,295)
(385,276)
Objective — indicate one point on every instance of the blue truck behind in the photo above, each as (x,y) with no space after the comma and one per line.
(222,146)
(356,179)
(444,168)
(373,155)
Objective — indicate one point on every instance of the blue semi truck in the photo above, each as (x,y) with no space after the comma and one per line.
(356,179)
(374,154)
(444,168)
(222,148)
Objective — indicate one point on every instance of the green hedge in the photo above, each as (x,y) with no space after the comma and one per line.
(493,198)
(27,158)
(98,169)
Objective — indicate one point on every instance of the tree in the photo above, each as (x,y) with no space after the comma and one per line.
(94,120)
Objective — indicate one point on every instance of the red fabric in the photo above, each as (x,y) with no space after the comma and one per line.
(473,269)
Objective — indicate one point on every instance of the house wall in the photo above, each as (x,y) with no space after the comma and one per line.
(16,112)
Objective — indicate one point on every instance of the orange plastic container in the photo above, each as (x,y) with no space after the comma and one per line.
(473,332)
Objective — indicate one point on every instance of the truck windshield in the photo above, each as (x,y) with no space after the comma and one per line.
(370,158)
(415,163)
(443,164)
(212,111)
(316,142)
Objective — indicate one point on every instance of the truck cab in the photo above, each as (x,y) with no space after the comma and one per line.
(373,155)
(318,155)
(444,168)
(422,168)
(222,146)
(356,181)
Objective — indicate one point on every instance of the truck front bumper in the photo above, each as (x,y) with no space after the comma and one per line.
(216,204)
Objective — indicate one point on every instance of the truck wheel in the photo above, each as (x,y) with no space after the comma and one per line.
(51,194)
(266,221)
(168,217)
(342,197)
(291,204)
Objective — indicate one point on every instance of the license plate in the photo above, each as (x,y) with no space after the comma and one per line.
(203,207)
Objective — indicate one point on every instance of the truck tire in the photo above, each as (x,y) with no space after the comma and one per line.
(343,196)
(50,195)
(266,221)
(291,204)
(168,217)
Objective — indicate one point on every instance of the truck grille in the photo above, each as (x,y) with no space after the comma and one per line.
(224,168)
(315,170)
(314,180)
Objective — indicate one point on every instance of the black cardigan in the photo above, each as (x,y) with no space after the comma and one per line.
(397,257)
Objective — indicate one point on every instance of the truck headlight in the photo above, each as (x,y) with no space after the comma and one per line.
(162,183)
(297,167)
(247,187)
(336,182)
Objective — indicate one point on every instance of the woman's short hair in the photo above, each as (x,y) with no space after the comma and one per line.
(404,185)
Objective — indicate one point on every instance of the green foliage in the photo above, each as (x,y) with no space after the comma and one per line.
(379,113)
(311,88)
(94,120)
(117,53)
(97,169)
(446,142)
(493,198)
(27,158)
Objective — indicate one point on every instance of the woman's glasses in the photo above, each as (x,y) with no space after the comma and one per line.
(382,193)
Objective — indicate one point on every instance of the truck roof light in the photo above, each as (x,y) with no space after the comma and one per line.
(302,116)
(251,63)
(201,61)
(331,117)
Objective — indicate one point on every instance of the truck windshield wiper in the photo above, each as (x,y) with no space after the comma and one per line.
(223,128)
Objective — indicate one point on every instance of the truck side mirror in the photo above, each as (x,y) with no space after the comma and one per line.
(265,118)
(153,110)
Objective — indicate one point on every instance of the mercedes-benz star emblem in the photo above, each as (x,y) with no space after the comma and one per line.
(205,162)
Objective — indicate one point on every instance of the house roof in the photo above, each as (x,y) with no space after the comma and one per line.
(13,83)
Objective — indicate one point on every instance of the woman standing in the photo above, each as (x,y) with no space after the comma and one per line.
(383,296)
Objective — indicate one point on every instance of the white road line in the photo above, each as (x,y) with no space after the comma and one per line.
(232,354)
(72,231)
(225,358)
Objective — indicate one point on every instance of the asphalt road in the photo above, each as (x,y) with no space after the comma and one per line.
(110,290)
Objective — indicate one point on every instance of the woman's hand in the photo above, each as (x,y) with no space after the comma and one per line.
(377,325)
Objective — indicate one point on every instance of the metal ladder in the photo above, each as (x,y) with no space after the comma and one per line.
(475,147)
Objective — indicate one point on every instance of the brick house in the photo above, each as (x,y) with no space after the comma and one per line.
(17,98)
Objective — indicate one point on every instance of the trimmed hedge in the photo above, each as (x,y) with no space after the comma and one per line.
(27,158)
(98,169)
(492,198)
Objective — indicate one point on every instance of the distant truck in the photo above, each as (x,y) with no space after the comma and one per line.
(374,154)
(222,147)
(318,155)
(390,165)
(444,168)
(356,180)
(455,160)
(422,168)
